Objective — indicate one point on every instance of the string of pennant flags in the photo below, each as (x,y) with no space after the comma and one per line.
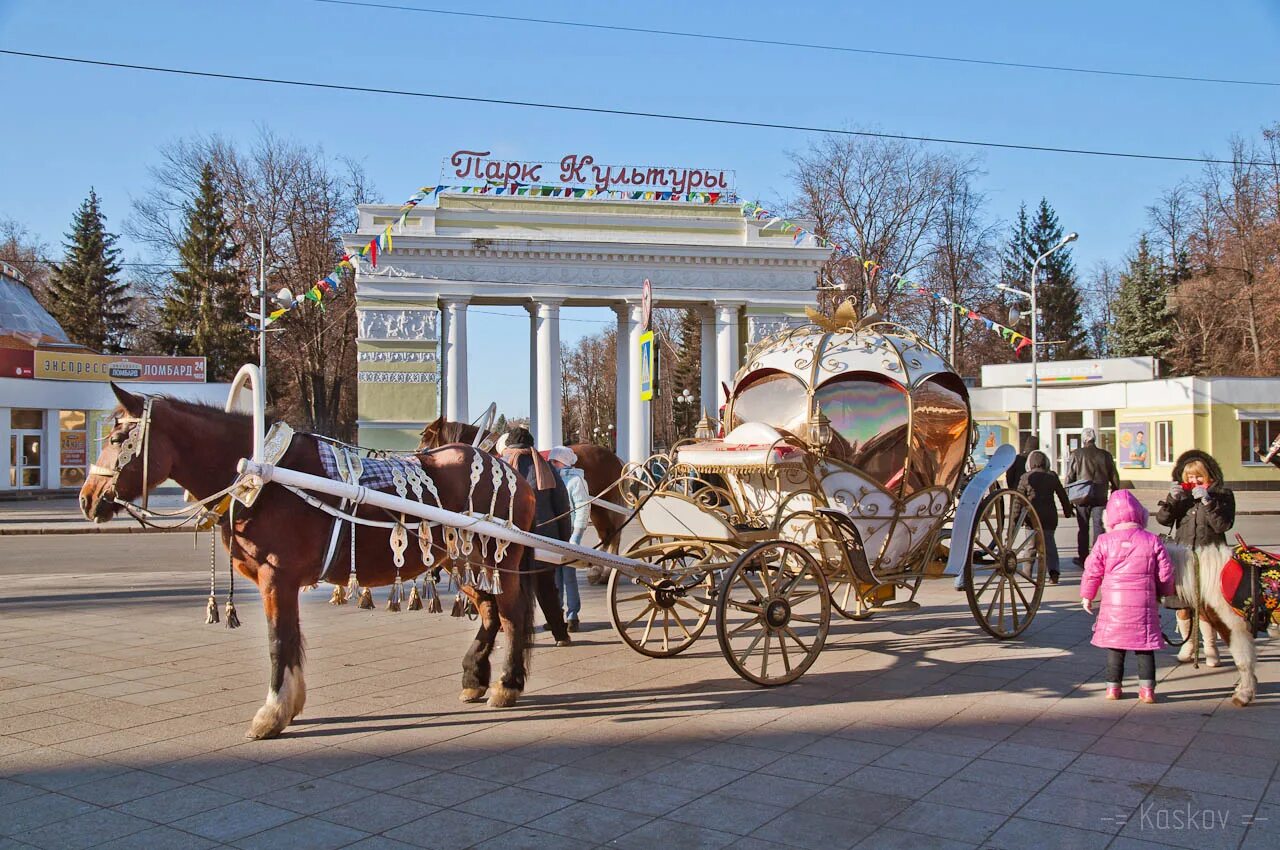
(382,242)
(751,209)
(330,283)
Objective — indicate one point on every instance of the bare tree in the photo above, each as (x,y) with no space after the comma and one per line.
(1099,293)
(880,198)
(962,244)
(26,253)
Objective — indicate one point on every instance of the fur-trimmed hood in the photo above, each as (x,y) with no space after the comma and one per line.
(1215,470)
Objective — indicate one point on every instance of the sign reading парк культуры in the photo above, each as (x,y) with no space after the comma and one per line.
(581,170)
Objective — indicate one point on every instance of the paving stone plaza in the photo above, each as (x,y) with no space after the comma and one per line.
(122,720)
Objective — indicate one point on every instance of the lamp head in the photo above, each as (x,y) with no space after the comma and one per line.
(1070,237)
(1015,315)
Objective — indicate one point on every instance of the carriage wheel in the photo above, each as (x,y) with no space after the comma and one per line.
(1004,576)
(663,618)
(773,612)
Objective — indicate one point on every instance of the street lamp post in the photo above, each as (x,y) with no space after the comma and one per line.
(1035,334)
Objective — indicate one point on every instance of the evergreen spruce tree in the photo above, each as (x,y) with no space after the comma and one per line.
(1016,259)
(202,313)
(1143,325)
(688,372)
(1058,296)
(85,294)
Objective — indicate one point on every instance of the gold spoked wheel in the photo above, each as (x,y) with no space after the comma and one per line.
(1005,573)
(773,612)
(663,618)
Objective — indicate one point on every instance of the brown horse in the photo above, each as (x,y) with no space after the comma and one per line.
(601,467)
(279,542)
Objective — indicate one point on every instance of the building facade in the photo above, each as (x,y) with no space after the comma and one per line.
(1144,420)
(745,277)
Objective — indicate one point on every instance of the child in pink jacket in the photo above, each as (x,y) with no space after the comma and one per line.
(1131,567)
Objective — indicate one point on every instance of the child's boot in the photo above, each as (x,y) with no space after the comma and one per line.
(1184,632)
(1147,693)
(1113,690)
(1209,639)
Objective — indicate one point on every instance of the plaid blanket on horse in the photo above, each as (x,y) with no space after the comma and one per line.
(1251,585)
(376,473)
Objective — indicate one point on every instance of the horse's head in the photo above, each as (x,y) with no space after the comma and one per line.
(133,445)
(432,435)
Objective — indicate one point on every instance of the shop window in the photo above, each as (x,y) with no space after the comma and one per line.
(1024,430)
(26,420)
(73,447)
(1106,419)
(1164,442)
(1068,419)
(1256,436)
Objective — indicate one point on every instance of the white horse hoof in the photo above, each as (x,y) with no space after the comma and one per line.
(1242,700)
(471,695)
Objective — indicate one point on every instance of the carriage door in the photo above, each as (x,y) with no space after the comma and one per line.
(26,442)
(1068,442)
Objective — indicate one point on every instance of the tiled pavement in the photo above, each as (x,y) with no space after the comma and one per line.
(122,720)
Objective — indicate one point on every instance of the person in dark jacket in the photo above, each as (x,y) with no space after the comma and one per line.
(1097,466)
(553,519)
(1019,466)
(1201,510)
(1041,485)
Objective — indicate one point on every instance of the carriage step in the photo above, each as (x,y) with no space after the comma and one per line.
(904,605)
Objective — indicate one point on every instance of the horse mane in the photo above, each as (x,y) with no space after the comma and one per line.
(448,431)
(209,411)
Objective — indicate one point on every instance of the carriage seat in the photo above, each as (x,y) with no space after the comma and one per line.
(752,445)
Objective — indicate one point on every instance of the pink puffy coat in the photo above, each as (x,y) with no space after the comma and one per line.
(1131,566)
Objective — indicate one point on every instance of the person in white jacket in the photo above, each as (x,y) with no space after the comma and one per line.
(562,460)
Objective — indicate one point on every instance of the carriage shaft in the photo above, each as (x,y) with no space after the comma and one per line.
(267,472)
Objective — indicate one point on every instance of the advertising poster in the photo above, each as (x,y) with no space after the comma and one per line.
(1134,449)
(990,438)
(648,362)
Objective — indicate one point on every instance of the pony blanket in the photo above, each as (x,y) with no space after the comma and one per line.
(1251,585)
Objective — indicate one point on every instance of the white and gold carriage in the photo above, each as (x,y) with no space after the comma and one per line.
(840,480)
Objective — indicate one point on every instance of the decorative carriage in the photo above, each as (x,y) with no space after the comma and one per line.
(841,480)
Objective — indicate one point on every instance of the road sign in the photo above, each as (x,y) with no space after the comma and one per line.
(648,366)
(646,304)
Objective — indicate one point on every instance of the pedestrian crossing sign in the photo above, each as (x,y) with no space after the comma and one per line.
(648,366)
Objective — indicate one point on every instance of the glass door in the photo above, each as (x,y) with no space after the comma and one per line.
(25,467)
(1068,442)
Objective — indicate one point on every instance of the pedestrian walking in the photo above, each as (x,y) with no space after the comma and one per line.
(563,459)
(1019,466)
(1097,466)
(1200,509)
(552,519)
(1042,486)
(1128,570)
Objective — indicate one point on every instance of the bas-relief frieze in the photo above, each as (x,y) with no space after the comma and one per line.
(759,327)
(410,325)
(374,377)
(674,277)
(397,357)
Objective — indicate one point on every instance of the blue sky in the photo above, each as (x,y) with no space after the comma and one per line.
(71,127)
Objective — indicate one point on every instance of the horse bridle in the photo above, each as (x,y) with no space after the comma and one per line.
(134,444)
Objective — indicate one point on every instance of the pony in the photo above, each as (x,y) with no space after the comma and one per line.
(1216,610)
(280,542)
(601,467)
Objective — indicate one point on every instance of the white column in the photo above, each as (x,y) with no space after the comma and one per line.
(727,341)
(549,389)
(622,383)
(455,359)
(533,367)
(6,458)
(51,451)
(711,394)
(638,440)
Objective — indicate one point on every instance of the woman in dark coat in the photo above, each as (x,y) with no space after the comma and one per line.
(1042,486)
(1201,510)
(553,519)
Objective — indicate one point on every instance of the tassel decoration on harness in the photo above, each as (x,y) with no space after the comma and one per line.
(393,601)
(415,600)
(233,621)
(495,582)
(366,599)
(211,609)
(339,596)
(459,607)
(433,599)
